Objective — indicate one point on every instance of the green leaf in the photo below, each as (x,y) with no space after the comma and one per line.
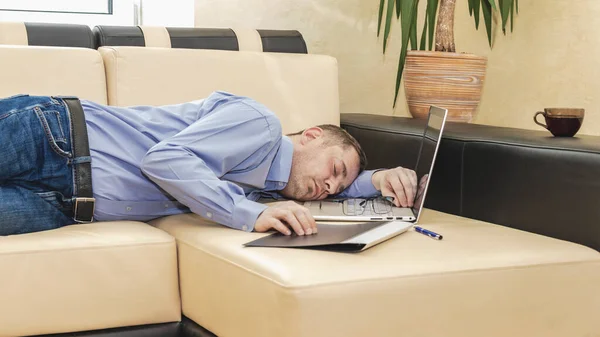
(407,16)
(512,15)
(487,18)
(424,35)
(504,12)
(429,24)
(474,6)
(388,21)
(517,5)
(381,4)
(432,6)
(413,32)
(397,9)
(500,2)
(492,3)
(476,10)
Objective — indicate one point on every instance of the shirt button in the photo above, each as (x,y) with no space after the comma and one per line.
(280,184)
(209,214)
(166,205)
(244,227)
(128,208)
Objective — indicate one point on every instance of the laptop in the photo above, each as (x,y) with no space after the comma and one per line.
(380,209)
(381,223)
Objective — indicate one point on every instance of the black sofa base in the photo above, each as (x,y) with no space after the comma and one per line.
(185,328)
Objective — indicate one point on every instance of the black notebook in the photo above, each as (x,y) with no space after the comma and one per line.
(345,237)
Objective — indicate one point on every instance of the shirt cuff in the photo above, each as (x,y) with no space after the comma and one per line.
(365,185)
(245,214)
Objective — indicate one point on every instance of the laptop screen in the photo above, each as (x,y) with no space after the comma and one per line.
(427,154)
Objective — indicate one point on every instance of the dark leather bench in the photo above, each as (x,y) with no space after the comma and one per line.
(523,179)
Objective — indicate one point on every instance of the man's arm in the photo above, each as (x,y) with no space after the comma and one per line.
(362,187)
(230,137)
(399,183)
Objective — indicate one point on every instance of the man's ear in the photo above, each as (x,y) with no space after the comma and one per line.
(311,134)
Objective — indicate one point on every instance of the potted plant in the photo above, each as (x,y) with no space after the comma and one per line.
(442,77)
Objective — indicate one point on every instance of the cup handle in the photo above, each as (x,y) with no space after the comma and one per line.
(536,121)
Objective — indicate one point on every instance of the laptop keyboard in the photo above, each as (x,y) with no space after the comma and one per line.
(366,207)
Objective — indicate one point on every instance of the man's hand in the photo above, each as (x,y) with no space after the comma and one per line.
(283,215)
(399,183)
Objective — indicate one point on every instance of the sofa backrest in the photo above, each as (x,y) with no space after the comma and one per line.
(301,89)
(52,71)
(46,34)
(284,41)
(73,35)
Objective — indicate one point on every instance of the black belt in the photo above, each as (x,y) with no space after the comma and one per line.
(84,202)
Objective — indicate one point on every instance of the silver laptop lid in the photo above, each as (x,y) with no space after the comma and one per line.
(427,154)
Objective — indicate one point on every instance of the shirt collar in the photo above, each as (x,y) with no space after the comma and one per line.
(282,163)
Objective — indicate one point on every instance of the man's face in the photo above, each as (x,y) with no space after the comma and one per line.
(320,168)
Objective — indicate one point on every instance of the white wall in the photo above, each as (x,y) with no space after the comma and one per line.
(344,29)
(171,13)
(551,59)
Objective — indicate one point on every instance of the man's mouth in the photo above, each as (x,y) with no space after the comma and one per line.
(317,190)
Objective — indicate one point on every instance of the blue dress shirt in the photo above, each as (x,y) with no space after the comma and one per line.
(214,157)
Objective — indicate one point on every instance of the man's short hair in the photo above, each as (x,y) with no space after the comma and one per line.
(339,136)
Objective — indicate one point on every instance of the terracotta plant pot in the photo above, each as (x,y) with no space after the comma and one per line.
(449,80)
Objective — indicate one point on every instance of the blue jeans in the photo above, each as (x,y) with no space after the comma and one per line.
(36,177)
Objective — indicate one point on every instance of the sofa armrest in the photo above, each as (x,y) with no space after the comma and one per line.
(523,179)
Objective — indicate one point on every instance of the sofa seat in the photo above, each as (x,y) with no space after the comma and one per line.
(481,280)
(86,277)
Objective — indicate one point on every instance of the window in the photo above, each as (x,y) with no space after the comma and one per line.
(87,12)
(178,13)
(59,6)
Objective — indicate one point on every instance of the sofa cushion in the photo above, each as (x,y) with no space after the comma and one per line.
(201,38)
(52,71)
(46,34)
(282,41)
(118,36)
(301,89)
(13,33)
(480,280)
(250,40)
(86,277)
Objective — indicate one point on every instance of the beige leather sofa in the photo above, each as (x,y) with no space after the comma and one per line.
(481,280)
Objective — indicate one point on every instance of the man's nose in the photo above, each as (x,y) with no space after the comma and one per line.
(331,187)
